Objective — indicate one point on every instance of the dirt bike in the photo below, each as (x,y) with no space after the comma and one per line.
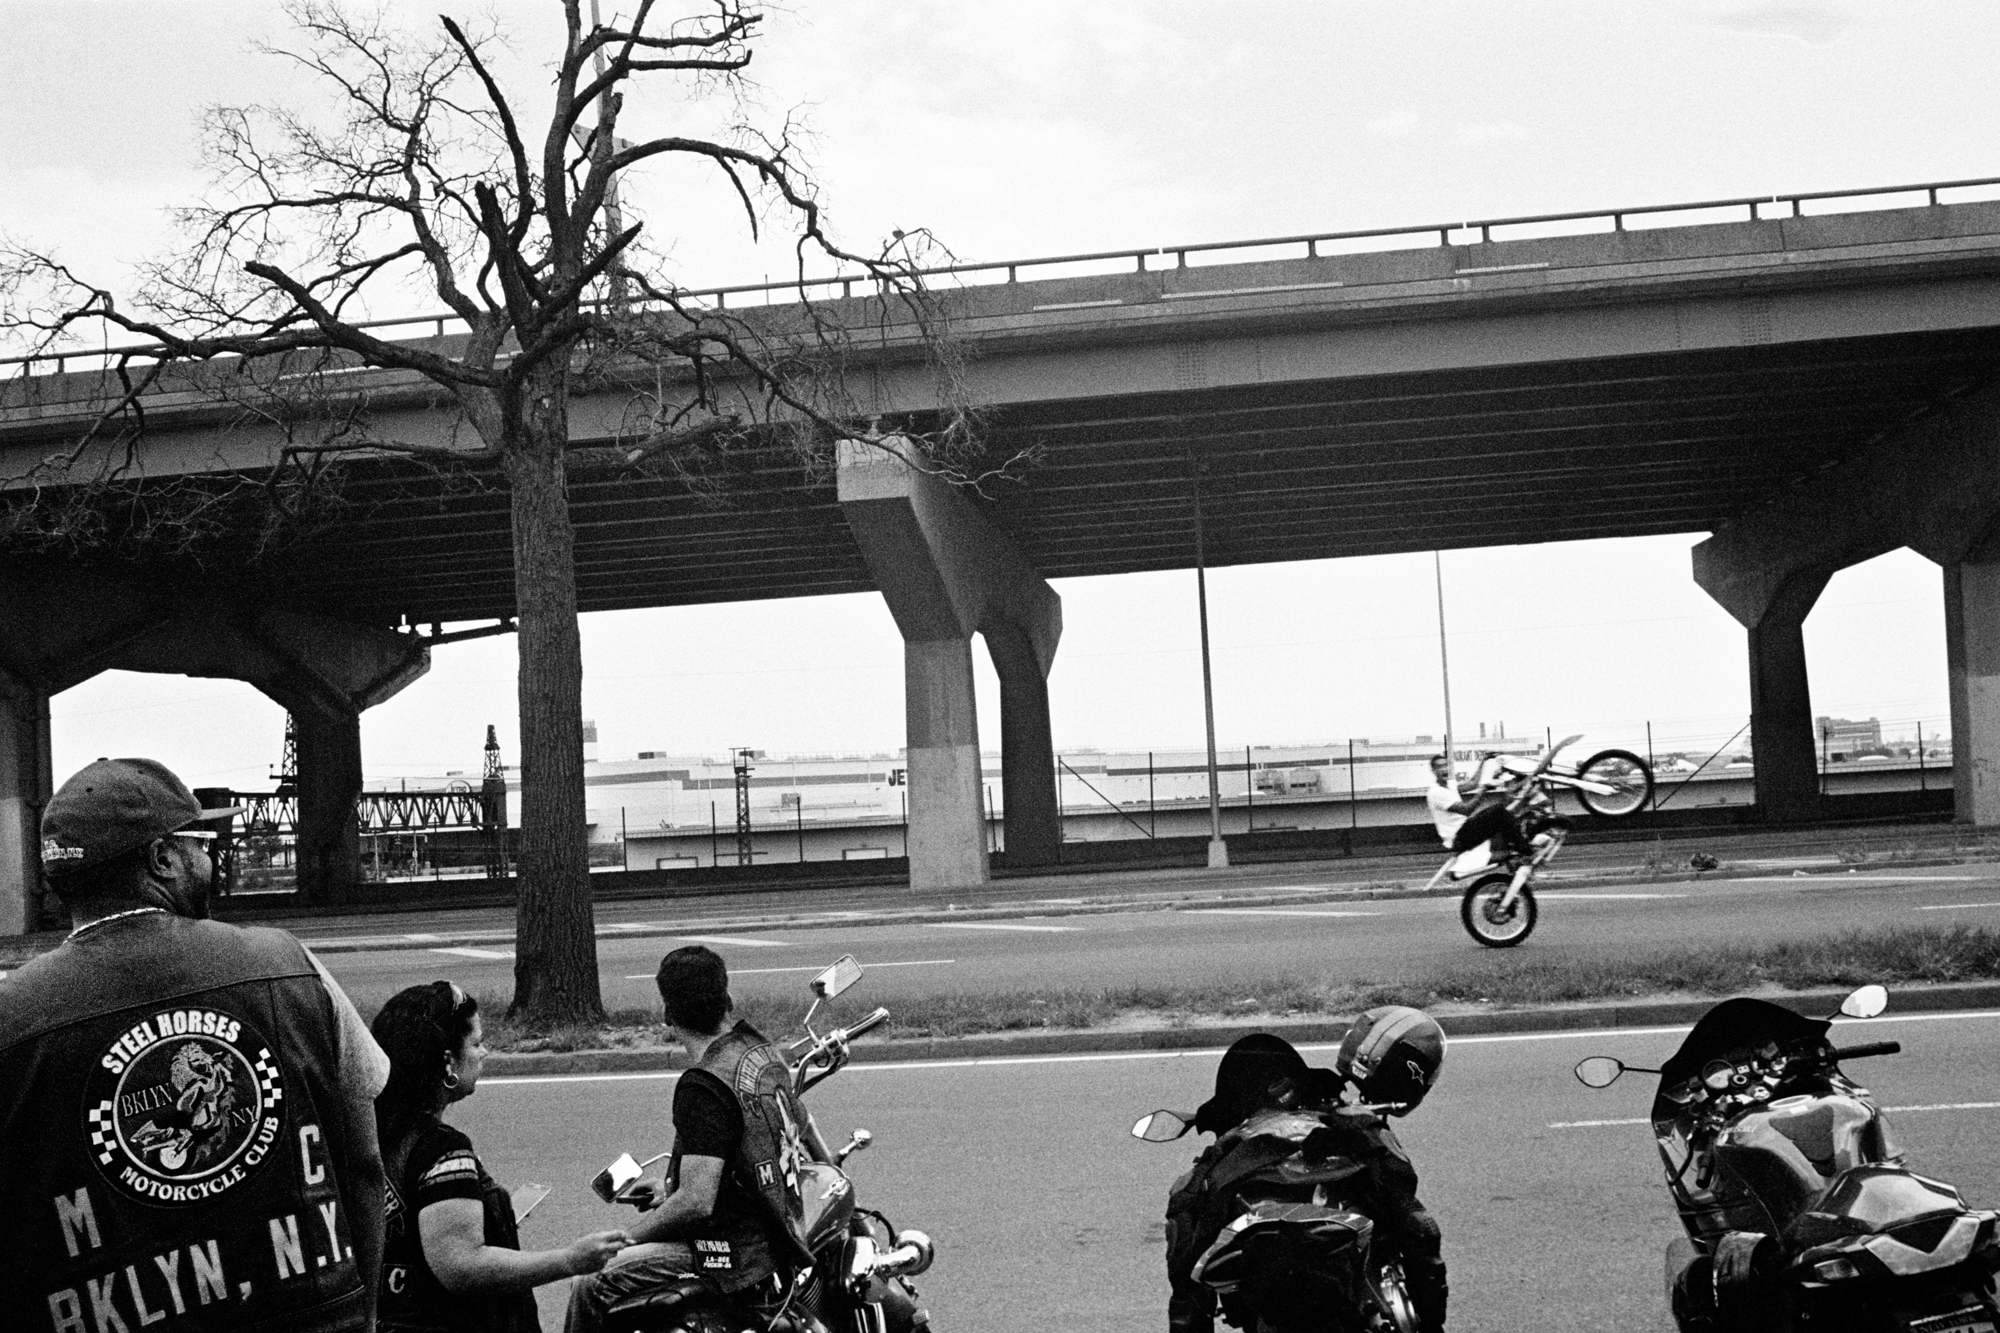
(1799,1211)
(1498,906)
(1301,1254)
(857,1257)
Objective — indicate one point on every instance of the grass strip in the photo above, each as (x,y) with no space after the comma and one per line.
(1906,954)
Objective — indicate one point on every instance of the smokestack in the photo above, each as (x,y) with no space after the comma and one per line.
(589,741)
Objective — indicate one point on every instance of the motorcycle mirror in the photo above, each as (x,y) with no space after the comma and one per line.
(836,979)
(609,1183)
(1568,741)
(1866,1002)
(1598,1071)
(1162,1126)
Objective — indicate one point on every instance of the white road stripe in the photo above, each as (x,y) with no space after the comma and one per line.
(1565,895)
(420,935)
(1953,907)
(755,971)
(477,953)
(1271,911)
(732,939)
(1107,1057)
(992,925)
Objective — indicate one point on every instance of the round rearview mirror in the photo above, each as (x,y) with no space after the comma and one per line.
(1866,1002)
(1599,1071)
(1162,1126)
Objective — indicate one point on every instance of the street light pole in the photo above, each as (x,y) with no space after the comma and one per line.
(1218,850)
(1444,662)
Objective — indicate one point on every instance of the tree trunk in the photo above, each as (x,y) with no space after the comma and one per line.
(555,967)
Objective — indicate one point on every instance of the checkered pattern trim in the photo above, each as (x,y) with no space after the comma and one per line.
(103,1137)
(267,1074)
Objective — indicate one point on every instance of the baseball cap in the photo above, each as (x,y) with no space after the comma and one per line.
(113,806)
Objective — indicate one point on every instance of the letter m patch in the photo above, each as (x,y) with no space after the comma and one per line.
(767,1173)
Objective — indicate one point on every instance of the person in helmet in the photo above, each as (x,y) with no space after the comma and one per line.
(1391,1057)
(1385,1052)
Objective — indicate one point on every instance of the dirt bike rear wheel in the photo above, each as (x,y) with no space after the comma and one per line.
(1485,922)
(1621,769)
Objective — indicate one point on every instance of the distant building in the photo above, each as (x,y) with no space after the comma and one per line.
(1840,736)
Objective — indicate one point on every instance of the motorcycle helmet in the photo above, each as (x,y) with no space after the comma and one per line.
(1243,1081)
(1392,1054)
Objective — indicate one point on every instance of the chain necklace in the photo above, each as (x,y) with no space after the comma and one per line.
(92,925)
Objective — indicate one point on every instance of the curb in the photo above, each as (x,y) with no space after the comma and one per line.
(1005,1046)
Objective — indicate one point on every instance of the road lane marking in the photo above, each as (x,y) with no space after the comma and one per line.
(420,935)
(991,925)
(1565,895)
(476,953)
(1897,1110)
(1210,1053)
(1272,911)
(1953,907)
(755,971)
(733,939)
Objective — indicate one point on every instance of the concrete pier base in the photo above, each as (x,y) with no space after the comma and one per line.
(1972,656)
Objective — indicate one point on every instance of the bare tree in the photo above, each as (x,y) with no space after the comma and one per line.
(427,177)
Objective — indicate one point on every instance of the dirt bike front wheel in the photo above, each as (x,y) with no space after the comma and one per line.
(1487,921)
(1626,773)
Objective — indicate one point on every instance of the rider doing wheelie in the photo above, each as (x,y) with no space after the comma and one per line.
(1391,1055)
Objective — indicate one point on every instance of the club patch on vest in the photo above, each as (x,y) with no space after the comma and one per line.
(767,1172)
(183,1105)
(714,1256)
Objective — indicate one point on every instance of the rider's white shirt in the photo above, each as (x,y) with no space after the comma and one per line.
(1441,798)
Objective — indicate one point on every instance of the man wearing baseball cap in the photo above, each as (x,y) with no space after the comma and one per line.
(187,1127)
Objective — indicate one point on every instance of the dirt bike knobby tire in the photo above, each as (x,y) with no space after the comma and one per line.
(1479,896)
(1590,800)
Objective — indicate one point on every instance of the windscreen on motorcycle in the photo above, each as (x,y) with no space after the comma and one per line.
(1732,1029)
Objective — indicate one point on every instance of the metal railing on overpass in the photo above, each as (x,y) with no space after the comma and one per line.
(1317,245)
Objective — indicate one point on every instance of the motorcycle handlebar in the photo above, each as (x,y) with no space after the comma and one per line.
(868,1024)
(1867,1049)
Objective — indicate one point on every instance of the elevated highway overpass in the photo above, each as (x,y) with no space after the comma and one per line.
(1808,377)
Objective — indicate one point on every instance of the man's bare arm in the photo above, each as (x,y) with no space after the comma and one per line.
(687,1207)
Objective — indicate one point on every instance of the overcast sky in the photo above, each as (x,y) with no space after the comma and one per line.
(1015,129)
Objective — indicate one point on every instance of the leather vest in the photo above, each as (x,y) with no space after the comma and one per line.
(735,1250)
(172,1145)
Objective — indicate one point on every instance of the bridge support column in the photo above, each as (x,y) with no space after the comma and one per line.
(1972,656)
(85,621)
(1027,749)
(1781,716)
(947,816)
(26,783)
(329,835)
(948,573)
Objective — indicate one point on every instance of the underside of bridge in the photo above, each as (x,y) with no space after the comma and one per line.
(1617,447)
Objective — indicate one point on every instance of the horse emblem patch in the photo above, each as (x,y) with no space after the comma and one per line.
(183,1106)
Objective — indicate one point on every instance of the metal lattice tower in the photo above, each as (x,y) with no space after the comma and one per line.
(493,808)
(742,757)
(287,776)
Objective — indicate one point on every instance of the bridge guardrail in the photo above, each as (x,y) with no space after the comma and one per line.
(444,325)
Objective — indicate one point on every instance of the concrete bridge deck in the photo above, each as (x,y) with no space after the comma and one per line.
(1496,392)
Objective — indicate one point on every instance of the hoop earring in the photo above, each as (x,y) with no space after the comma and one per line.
(450,1080)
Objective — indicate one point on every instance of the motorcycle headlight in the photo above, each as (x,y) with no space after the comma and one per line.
(1835,1270)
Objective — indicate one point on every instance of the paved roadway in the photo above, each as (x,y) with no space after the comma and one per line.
(1378,939)
(1047,1214)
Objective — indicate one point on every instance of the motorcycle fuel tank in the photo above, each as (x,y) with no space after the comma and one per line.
(829,1202)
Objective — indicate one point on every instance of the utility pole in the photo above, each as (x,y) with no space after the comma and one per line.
(1444,664)
(742,757)
(1218,850)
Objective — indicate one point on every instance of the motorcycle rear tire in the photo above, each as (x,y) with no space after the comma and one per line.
(1482,899)
(1635,793)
